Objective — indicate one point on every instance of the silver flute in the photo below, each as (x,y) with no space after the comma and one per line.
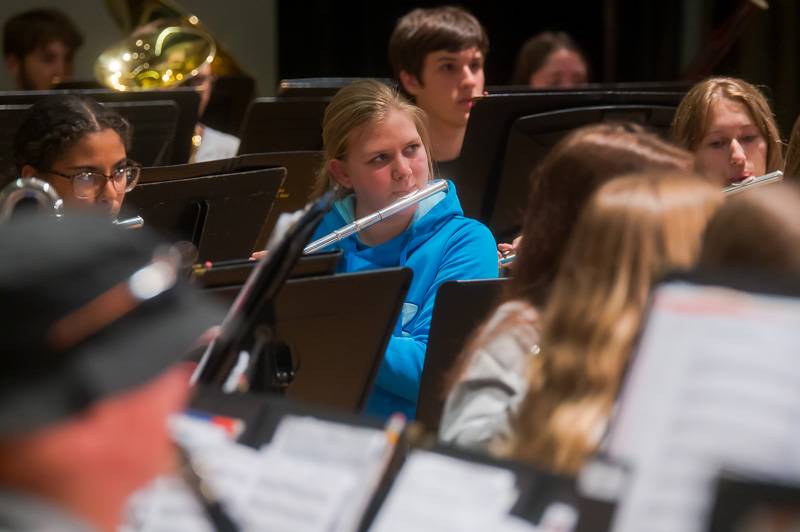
(755,181)
(436,186)
(135,222)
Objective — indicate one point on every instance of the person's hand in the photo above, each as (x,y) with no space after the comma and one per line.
(505,249)
(258,255)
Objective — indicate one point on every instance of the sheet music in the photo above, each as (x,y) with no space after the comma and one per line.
(292,485)
(328,442)
(716,383)
(360,453)
(510,523)
(439,493)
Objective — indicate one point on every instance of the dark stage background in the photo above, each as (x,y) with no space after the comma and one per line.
(626,40)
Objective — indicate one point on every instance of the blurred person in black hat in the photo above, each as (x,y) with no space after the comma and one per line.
(94,321)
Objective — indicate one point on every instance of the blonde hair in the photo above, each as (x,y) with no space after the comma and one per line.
(561,185)
(634,229)
(362,103)
(694,112)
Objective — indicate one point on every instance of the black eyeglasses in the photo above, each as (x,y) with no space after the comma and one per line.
(87,185)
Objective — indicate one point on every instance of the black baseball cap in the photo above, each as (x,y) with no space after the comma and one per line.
(87,310)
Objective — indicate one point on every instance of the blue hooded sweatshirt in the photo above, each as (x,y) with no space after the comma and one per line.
(439,245)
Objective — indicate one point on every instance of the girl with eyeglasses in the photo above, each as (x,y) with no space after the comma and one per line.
(80,148)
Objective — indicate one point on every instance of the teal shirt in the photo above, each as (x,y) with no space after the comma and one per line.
(439,245)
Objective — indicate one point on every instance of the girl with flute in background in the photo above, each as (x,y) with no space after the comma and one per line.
(551,60)
(377,150)
(729,126)
(488,380)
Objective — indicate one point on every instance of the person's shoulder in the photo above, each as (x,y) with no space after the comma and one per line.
(517,308)
(470,227)
(505,343)
(508,337)
(517,316)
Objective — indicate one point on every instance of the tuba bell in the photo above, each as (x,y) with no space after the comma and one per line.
(161,54)
(132,14)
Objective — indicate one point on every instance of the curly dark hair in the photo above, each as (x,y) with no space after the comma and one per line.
(56,123)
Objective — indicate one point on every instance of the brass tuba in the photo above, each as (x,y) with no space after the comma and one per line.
(161,54)
(133,14)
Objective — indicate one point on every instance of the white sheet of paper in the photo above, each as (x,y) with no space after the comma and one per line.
(294,495)
(361,454)
(510,523)
(439,493)
(715,383)
(329,442)
(315,476)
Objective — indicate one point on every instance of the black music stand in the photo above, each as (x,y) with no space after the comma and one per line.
(314,87)
(154,128)
(283,124)
(248,332)
(233,274)
(175,149)
(460,307)
(490,123)
(531,137)
(301,170)
(745,504)
(173,172)
(629,86)
(220,214)
(337,328)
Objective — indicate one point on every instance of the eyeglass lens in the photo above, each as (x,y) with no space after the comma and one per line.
(89,184)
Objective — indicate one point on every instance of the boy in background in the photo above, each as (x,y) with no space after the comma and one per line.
(437,56)
(38,46)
